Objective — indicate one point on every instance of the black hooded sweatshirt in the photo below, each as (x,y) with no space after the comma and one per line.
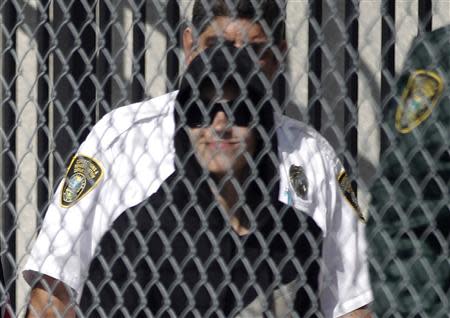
(176,255)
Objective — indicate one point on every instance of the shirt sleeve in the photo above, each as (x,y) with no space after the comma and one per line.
(64,245)
(120,144)
(346,284)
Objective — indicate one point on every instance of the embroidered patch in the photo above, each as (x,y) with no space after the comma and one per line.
(298,180)
(349,193)
(82,176)
(420,96)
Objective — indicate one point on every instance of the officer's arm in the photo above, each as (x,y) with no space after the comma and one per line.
(51,298)
(362,312)
(349,290)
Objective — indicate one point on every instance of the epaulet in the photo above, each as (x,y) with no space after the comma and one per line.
(294,130)
(438,33)
(294,126)
(121,119)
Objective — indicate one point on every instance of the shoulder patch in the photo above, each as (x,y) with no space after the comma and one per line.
(349,193)
(421,94)
(82,176)
(299,182)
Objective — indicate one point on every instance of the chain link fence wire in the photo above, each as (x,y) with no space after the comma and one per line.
(65,64)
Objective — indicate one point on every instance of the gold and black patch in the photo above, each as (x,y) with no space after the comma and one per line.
(349,193)
(82,176)
(421,94)
(298,180)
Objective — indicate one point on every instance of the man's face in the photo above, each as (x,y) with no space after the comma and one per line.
(222,147)
(241,33)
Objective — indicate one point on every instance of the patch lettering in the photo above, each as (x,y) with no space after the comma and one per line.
(420,96)
(349,194)
(82,176)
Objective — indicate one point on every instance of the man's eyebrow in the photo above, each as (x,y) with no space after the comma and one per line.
(213,40)
(259,46)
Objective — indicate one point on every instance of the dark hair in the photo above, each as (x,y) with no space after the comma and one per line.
(272,12)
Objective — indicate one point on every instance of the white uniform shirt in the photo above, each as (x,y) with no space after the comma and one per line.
(134,147)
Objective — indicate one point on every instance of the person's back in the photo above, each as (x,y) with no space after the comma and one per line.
(409,226)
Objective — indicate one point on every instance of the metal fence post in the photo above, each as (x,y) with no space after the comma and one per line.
(425,15)
(74,76)
(8,151)
(315,62)
(173,42)
(104,54)
(351,78)
(44,185)
(387,59)
(138,72)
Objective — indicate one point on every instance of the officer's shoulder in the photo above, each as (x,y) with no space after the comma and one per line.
(428,47)
(436,34)
(124,118)
(292,133)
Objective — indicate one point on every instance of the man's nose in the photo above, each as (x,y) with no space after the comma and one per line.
(220,123)
(238,43)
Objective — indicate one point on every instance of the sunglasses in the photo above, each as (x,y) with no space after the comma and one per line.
(201,114)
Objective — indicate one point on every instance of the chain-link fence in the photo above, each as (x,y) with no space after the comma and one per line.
(65,64)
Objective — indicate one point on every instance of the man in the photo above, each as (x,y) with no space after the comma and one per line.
(213,240)
(409,228)
(130,153)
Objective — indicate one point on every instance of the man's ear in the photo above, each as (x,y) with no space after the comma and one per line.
(188,45)
(282,46)
(283,49)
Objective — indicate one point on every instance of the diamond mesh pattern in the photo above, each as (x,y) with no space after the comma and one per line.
(64,65)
